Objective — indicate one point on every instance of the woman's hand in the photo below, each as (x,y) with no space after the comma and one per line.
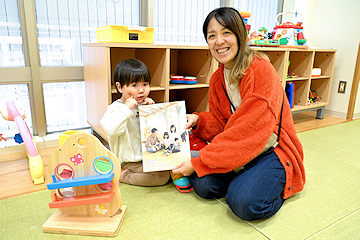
(192,120)
(185,168)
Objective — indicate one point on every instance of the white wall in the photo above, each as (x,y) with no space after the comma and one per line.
(334,24)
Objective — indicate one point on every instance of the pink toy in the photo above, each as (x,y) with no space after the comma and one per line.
(35,161)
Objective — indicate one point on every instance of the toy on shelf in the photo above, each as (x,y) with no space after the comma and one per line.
(181,79)
(35,161)
(290,34)
(263,39)
(290,93)
(85,188)
(292,75)
(245,16)
(313,97)
(316,72)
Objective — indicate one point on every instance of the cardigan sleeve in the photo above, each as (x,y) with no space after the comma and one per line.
(248,129)
(114,121)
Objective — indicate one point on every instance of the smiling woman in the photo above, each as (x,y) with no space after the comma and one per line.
(258,169)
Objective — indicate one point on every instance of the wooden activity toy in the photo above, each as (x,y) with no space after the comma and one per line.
(85,188)
(36,166)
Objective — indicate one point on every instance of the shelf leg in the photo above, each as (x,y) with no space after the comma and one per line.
(320,113)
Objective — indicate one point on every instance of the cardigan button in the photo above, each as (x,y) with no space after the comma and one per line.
(288,163)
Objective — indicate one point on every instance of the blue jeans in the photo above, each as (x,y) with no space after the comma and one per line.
(256,192)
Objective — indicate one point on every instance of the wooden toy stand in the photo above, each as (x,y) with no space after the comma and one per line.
(85,189)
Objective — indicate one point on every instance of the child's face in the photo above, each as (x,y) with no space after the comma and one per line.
(139,91)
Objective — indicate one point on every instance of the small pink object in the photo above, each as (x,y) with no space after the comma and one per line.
(77,159)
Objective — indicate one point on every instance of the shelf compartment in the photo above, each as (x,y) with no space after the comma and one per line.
(158,96)
(278,60)
(153,58)
(196,98)
(300,63)
(324,61)
(191,62)
(81,200)
(301,93)
(80,181)
(322,87)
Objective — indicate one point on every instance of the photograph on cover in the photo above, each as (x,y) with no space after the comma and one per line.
(164,140)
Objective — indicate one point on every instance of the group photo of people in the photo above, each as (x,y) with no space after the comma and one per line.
(165,141)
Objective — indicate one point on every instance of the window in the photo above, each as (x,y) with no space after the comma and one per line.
(179,21)
(263,13)
(19,94)
(65,106)
(11,51)
(64,24)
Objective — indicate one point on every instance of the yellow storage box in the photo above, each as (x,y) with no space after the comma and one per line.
(125,34)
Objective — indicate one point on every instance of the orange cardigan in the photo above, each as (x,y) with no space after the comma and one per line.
(237,138)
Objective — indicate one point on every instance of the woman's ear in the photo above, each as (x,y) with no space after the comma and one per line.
(118,86)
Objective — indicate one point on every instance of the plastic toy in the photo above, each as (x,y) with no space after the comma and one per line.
(18,139)
(2,138)
(85,188)
(290,93)
(35,161)
(267,43)
(316,72)
(196,144)
(290,34)
(313,97)
(245,15)
(176,79)
(182,79)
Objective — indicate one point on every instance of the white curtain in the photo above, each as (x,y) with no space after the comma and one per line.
(180,21)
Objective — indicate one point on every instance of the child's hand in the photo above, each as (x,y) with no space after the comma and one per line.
(148,101)
(131,102)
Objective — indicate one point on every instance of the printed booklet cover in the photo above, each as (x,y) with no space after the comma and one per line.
(165,142)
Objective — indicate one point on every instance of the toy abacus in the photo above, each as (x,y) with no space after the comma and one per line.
(84,189)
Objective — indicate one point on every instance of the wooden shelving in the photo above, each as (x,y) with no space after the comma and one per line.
(100,60)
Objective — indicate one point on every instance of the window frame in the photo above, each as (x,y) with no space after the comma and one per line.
(34,75)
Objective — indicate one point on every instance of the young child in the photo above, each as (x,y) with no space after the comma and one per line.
(175,146)
(122,124)
(166,140)
(173,133)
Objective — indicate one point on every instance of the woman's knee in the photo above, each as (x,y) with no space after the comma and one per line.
(251,209)
(209,186)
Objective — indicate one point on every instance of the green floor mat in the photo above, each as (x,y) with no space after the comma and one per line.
(327,207)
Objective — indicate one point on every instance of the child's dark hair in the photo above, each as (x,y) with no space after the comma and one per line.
(130,71)
(172,126)
(166,134)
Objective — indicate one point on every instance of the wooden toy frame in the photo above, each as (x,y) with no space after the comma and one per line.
(88,175)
